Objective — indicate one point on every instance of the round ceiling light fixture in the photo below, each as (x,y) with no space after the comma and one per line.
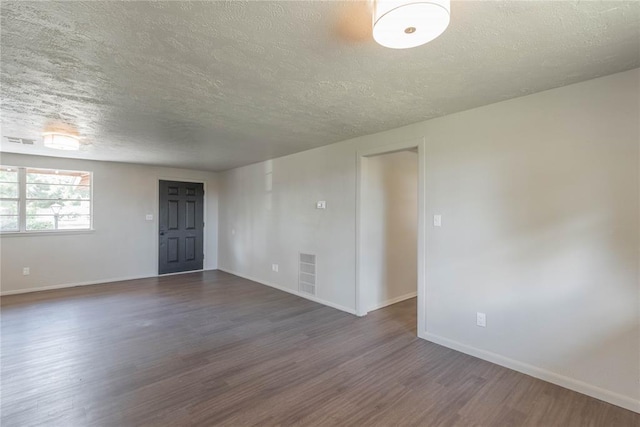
(400,24)
(61,141)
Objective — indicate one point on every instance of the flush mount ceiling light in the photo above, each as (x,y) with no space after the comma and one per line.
(400,24)
(61,141)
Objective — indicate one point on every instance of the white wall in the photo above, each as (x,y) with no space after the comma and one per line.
(390,228)
(269,217)
(539,197)
(123,245)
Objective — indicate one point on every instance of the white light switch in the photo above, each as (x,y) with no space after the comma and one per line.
(274,267)
(322,204)
(25,271)
(437,220)
(148,217)
(481,320)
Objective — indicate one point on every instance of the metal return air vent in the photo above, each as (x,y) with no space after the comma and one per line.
(24,141)
(307,274)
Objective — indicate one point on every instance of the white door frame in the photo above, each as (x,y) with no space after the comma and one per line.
(361,169)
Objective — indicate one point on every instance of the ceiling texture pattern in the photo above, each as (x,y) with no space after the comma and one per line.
(214,85)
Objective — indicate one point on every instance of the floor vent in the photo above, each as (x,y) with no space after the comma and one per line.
(307,274)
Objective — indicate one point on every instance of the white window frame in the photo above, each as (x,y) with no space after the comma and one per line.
(22,204)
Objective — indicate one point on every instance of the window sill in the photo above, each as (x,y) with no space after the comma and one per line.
(45,233)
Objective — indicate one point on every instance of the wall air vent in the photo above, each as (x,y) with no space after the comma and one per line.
(24,141)
(307,274)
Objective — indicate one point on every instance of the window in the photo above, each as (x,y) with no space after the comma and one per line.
(44,199)
(9,199)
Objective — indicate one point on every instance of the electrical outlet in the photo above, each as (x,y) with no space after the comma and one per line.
(481,320)
(321,204)
(148,217)
(26,271)
(437,220)
(274,267)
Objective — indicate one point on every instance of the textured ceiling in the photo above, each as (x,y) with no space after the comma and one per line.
(213,85)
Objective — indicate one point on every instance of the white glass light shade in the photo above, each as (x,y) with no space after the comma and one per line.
(400,24)
(61,141)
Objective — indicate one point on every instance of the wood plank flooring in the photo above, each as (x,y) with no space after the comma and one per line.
(210,348)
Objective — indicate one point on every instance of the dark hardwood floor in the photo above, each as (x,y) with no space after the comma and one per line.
(213,349)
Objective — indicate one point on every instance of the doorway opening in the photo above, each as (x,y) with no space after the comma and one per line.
(390,237)
(181,226)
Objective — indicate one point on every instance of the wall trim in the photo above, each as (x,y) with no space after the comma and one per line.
(361,171)
(291,291)
(93,282)
(393,301)
(536,372)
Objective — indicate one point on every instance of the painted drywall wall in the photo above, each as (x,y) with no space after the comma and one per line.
(270,217)
(389,228)
(539,201)
(123,244)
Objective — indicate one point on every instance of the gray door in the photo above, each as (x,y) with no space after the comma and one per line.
(181,227)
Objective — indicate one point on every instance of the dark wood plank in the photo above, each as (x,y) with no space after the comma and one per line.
(214,349)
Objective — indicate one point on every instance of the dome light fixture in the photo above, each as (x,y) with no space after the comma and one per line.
(401,24)
(61,141)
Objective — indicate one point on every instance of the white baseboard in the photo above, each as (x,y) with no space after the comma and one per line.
(393,301)
(543,374)
(180,272)
(291,291)
(88,283)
